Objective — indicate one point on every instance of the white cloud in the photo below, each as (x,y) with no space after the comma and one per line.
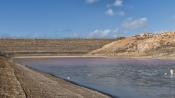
(91,1)
(106,33)
(110,12)
(131,24)
(99,33)
(118,3)
(111,6)
(126,26)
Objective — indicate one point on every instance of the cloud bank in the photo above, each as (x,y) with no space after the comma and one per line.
(132,24)
(116,8)
(126,26)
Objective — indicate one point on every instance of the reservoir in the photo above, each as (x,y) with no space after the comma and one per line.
(121,78)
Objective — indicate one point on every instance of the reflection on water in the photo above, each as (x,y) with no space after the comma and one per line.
(125,78)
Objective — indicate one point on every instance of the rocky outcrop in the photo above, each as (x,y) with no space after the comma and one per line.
(140,45)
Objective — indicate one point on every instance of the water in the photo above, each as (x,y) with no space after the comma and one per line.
(123,78)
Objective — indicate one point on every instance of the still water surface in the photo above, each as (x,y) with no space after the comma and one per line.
(123,78)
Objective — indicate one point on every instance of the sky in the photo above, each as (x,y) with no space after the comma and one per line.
(59,19)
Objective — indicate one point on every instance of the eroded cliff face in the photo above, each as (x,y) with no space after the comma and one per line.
(140,45)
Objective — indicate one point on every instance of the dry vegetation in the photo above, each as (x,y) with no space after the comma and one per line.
(50,47)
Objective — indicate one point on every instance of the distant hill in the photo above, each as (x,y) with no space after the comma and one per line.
(146,44)
(51,47)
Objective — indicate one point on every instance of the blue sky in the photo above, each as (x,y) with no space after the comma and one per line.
(84,18)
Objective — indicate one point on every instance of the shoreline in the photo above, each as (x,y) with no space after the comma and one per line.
(72,82)
(91,56)
(83,56)
(34,84)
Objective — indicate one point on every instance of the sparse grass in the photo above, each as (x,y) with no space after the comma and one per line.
(51,47)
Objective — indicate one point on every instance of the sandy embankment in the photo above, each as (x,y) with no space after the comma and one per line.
(78,56)
(17,81)
(100,56)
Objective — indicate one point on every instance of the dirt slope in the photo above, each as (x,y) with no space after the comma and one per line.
(9,85)
(141,45)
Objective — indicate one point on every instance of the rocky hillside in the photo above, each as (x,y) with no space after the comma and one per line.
(146,44)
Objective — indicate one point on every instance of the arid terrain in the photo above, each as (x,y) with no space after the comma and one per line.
(153,45)
(18,81)
(51,47)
